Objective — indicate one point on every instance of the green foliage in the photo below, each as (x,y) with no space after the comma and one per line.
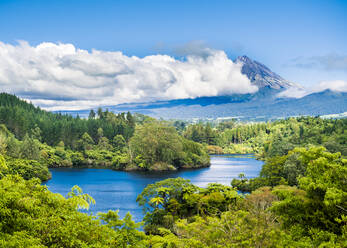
(233,229)
(3,145)
(119,142)
(32,216)
(120,160)
(91,114)
(101,141)
(104,144)
(127,234)
(36,133)
(282,170)
(324,184)
(315,208)
(30,148)
(168,239)
(214,149)
(156,146)
(78,199)
(86,142)
(195,155)
(238,149)
(310,215)
(13,147)
(156,142)
(3,166)
(21,118)
(201,133)
(28,169)
(273,138)
(171,199)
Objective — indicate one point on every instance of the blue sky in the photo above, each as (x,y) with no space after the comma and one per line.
(297,39)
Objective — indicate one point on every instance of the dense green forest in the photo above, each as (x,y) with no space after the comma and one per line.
(299,199)
(118,141)
(271,138)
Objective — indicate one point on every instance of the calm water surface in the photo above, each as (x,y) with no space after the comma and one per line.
(119,189)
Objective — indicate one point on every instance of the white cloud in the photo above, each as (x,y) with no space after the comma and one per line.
(61,76)
(336,86)
(293,92)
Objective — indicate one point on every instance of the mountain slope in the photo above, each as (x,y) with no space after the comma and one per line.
(262,105)
(262,76)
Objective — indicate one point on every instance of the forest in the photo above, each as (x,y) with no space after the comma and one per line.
(117,141)
(269,139)
(298,200)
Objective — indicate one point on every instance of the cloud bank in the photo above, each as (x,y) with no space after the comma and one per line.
(336,86)
(63,77)
(328,62)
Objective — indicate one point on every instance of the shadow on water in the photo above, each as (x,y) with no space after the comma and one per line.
(119,189)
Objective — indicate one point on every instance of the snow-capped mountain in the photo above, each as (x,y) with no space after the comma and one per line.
(262,76)
(261,105)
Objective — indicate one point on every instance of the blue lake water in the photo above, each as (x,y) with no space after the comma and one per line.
(119,189)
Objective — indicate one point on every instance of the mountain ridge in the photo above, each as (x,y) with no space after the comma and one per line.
(261,105)
(261,76)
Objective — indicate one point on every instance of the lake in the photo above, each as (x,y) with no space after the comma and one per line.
(119,189)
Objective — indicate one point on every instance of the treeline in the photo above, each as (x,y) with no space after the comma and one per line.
(22,118)
(271,138)
(117,141)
